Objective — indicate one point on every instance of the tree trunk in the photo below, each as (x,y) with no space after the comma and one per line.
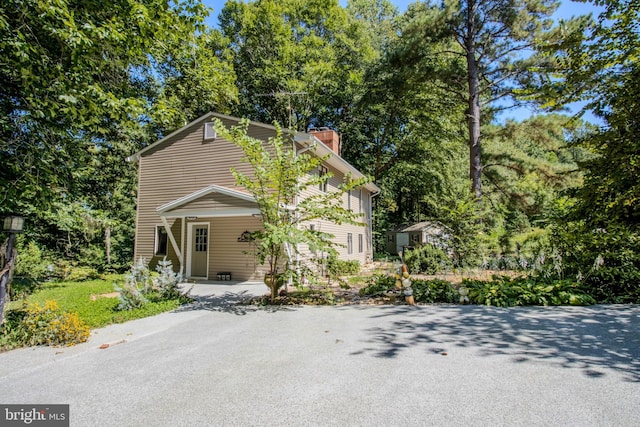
(5,275)
(107,244)
(473,113)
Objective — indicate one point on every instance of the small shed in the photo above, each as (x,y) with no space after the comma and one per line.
(418,234)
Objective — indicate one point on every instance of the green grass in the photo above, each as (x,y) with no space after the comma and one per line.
(76,297)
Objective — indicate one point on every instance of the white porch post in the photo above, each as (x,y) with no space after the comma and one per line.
(172,239)
(183,235)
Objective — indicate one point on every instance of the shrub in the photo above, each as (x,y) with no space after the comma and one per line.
(139,287)
(130,296)
(136,283)
(22,287)
(607,260)
(378,285)
(505,291)
(427,259)
(432,291)
(167,281)
(339,267)
(80,274)
(31,263)
(48,325)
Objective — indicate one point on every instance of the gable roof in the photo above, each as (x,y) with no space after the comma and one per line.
(203,192)
(302,138)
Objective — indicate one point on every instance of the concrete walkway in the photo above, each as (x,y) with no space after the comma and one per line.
(218,363)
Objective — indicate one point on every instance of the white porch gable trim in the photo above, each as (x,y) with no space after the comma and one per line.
(170,210)
(172,239)
(203,192)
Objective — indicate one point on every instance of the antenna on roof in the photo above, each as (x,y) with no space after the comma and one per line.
(288,95)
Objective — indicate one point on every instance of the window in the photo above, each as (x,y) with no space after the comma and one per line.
(360,244)
(349,200)
(390,238)
(349,243)
(322,172)
(161,241)
(415,238)
(360,201)
(201,239)
(209,131)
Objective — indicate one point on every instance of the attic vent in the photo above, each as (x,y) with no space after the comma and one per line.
(209,131)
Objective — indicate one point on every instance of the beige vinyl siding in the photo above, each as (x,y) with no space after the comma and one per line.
(227,254)
(184,164)
(178,167)
(341,231)
(216,201)
(150,232)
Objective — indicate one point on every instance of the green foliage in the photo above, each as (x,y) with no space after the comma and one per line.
(140,287)
(31,263)
(470,48)
(137,283)
(167,281)
(296,63)
(378,285)
(79,274)
(84,85)
(301,296)
(279,177)
(94,301)
(130,296)
(597,230)
(504,291)
(606,260)
(434,291)
(427,259)
(339,267)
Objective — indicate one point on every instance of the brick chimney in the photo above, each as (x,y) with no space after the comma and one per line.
(329,137)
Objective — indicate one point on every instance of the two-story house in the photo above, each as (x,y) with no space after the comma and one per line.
(191,211)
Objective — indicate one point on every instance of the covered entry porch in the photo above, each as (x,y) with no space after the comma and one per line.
(206,234)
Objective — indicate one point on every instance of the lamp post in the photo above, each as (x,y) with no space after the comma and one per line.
(12,224)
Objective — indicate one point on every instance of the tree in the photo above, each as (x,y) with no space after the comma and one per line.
(583,60)
(597,230)
(281,176)
(297,63)
(85,84)
(483,67)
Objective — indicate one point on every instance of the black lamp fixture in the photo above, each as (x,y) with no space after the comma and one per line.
(246,236)
(13,224)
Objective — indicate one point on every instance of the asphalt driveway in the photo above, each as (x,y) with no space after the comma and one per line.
(216,363)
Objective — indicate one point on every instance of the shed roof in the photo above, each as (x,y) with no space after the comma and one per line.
(433,226)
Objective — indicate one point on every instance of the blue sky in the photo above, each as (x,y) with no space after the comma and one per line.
(566,10)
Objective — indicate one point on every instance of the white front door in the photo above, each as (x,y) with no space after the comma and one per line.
(198,250)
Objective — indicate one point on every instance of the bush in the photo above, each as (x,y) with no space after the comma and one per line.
(130,296)
(607,260)
(339,267)
(48,325)
(22,287)
(378,285)
(80,274)
(139,287)
(31,263)
(434,291)
(505,291)
(427,259)
(167,281)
